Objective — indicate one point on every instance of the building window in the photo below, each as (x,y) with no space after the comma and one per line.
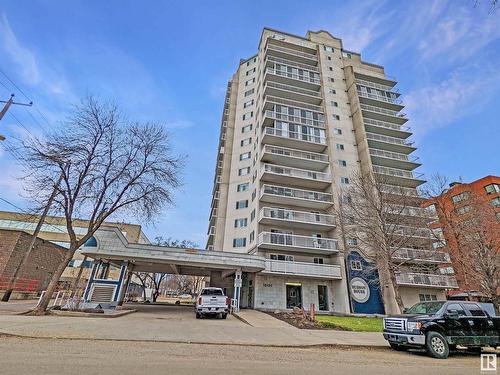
(332,91)
(286,258)
(247,115)
(246,128)
(242,204)
(336,117)
(246,155)
(352,242)
(495,202)
(243,171)
(252,215)
(331,79)
(243,187)
(249,82)
(356,265)
(342,163)
(318,260)
(346,54)
(329,58)
(330,69)
(339,146)
(239,223)
(492,188)
(460,197)
(239,242)
(328,49)
(344,180)
(254,194)
(249,92)
(337,131)
(248,104)
(463,210)
(427,297)
(250,71)
(334,104)
(246,141)
(252,236)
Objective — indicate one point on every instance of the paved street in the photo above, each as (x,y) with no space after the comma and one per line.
(49,356)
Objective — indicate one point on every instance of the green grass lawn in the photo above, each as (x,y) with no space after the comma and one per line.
(351,323)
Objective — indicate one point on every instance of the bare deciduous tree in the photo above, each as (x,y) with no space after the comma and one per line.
(107,165)
(386,225)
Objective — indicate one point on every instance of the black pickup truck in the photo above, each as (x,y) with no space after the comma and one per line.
(439,326)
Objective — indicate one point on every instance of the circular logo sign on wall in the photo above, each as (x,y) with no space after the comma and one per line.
(360,291)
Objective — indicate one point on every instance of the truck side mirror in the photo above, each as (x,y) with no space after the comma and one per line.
(405,310)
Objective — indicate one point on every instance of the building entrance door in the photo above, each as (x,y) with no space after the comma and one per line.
(293,296)
(322,298)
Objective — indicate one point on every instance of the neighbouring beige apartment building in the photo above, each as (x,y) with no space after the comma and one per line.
(300,118)
(54,230)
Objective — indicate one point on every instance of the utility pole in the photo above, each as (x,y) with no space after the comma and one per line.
(6,107)
(14,277)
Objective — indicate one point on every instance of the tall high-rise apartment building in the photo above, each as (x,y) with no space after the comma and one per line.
(300,118)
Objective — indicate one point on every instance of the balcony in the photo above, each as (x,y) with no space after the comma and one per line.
(296,219)
(386,128)
(315,200)
(421,256)
(377,86)
(380,101)
(394,144)
(320,271)
(420,212)
(271,60)
(295,176)
(303,80)
(399,190)
(292,92)
(416,232)
(398,177)
(291,54)
(273,115)
(382,114)
(292,242)
(285,138)
(426,280)
(270,101)
(295,158)
(393,159)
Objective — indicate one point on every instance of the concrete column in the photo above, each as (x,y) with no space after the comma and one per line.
(123,290)
(120,284)
(237,287)
(90,282)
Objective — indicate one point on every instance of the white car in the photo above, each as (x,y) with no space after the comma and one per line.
(212,301)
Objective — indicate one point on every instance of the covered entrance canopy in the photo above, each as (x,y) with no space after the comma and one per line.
(112,247)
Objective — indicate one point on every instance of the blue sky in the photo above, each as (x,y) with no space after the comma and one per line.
(170,62)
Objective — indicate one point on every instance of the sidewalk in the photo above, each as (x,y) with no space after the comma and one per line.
(186,329)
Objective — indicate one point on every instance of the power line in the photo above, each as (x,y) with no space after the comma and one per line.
(16,86)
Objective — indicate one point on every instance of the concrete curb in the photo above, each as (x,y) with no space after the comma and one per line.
(320,345)
(91,315)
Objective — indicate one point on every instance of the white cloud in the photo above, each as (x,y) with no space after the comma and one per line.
(440,104)
(21,56)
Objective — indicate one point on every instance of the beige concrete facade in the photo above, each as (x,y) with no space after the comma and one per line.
(300,117)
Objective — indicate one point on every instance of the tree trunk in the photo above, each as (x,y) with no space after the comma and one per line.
(51,288)
(389,291)
(397,295)
(76,282)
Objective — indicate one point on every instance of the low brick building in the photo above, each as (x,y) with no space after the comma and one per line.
(37,271)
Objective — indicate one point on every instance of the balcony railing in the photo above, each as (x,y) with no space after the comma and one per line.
(273,59)
(292,240)
(387,125)
(298,154)
(408,231)
(410,211)
(328,271)
(374,85)
(296,193)
(297,216)
(387,139)
(399,190)
(397,172)
(292,103)
(291,51)
(422,279)
(379,97)
(298,77)
(384,111)
(295,119)
(296,172)
(393,155)
(418,255)
(294,89)
(295,135)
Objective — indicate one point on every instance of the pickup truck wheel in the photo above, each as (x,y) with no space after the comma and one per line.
(224,316)
(436,345)
(198,316)
(397,347)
